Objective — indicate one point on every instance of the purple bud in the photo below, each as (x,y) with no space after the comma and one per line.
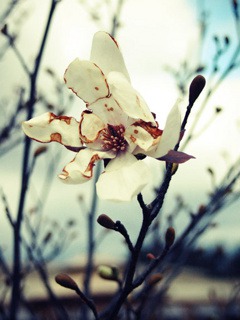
(151,256)
(66,281)
(4,30)
(106,222)
(154,279)
(196,88)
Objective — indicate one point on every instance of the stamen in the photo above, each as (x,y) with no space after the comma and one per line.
(113,138)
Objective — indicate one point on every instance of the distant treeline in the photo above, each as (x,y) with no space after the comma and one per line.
(216,261)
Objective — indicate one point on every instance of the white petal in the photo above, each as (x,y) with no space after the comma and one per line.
(141,136)
(86,80)
(123,179)
(108,110)
(80,169)
(128,99)
(49,127)
(171,134)
(90,126)
(106,54)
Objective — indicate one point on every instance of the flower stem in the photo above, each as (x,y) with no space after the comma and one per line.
(91,242)
(119,227)
(114,308)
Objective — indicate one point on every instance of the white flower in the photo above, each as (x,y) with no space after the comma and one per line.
(116,126)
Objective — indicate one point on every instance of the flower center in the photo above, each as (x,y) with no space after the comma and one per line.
(113,138)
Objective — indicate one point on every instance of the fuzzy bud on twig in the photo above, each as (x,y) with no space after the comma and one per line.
(151,256)
(4,30)
(154,279)
(108,273)
(174,168)
(106,222)
(66,281)
(170,237)
(218,109)
(202,209)
(196,88)
(47,237)
(235,8)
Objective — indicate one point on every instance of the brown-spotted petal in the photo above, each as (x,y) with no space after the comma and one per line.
(143,134)
(80,169)
(123,179)
(106,54)
(90,126)
(86,80)
(128,99)
(109,111)
(48,128)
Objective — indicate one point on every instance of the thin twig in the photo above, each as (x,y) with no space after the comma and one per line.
(113,309)
(116,18)
(88,302)
(8,10)
(19,55)
(91,234)
(119,227)
(40,267)
(25,175)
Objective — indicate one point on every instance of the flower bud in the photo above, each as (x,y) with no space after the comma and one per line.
(108,273)
(151,256)
(218,109)
(66,281)
(50,72)
(235,4)
(202,209)
(170,237)
(200,69)
(227,40)
(4,30)
(196,88)
(71,223)
(106,222)
(47,237)
(174,168)
(210,171)
(154,279)
(80,198)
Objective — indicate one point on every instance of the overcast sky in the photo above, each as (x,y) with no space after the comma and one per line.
(153,34)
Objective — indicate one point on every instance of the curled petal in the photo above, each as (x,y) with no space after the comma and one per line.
(48,127)
(124,178)
(176,157)
(90,126)
(80,169)
(170,136)
(106,54)
(86,80)
(143,134)
(128,99)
